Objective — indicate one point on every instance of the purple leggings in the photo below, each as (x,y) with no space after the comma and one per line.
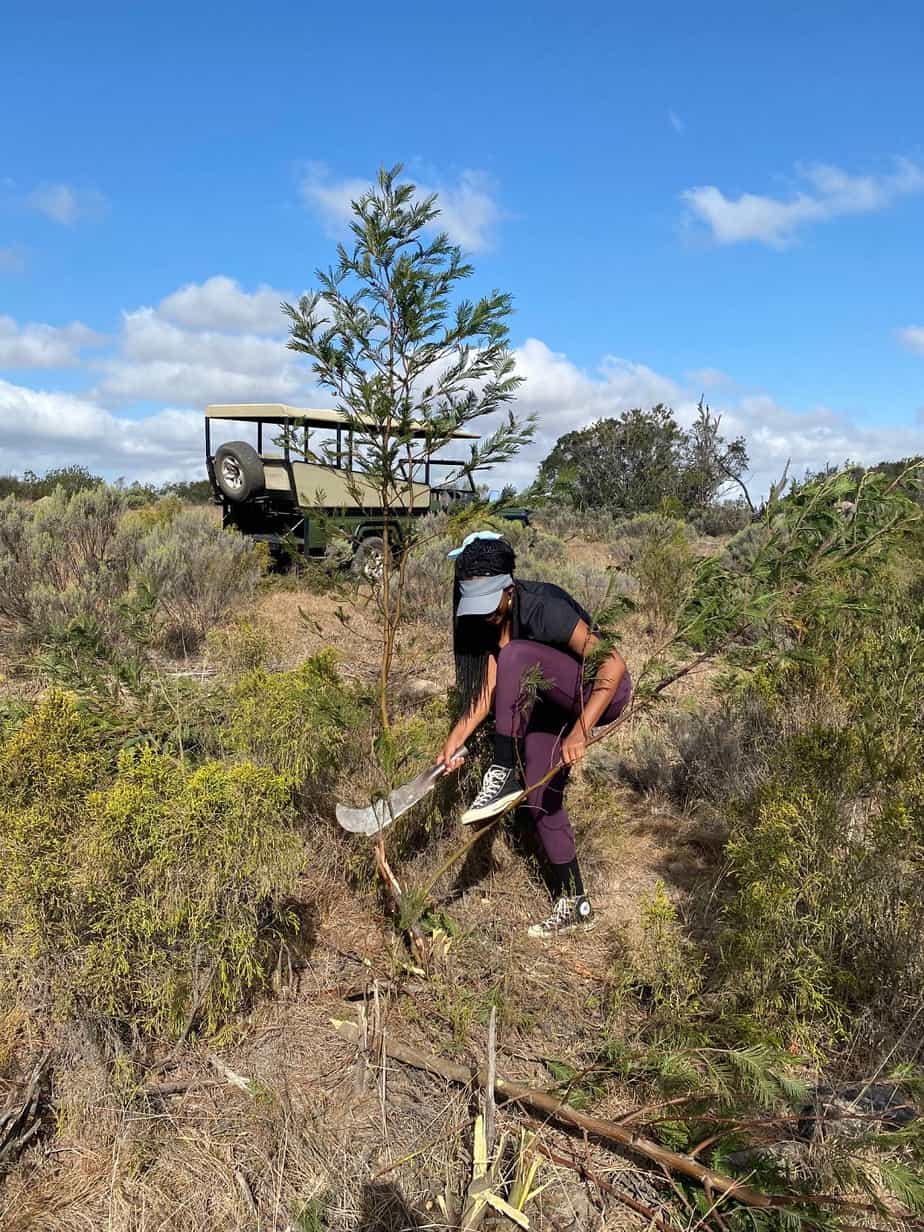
(541,725)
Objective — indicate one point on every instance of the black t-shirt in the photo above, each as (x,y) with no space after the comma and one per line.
(546,613)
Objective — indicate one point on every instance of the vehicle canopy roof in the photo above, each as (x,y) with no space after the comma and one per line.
(278,413)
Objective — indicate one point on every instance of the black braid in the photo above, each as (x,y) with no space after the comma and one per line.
(474,639)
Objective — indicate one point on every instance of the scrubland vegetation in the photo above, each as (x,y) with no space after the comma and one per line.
(180,917)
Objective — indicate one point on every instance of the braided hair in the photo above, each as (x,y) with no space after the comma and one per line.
(473,638)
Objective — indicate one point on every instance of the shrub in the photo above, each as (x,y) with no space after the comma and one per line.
(656,549)
(295,722)
(139,891)
(241,646)
(708,755)
(196,572)
(428,593)
(64,558)
(661,966)
(726,518)
(134,575)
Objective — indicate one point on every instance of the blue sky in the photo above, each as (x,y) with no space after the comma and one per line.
(682,199)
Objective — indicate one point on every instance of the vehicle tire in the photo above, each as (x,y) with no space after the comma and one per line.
(369,559)
(239,471)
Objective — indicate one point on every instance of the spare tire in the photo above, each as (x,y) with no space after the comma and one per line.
(239,471)
(369,559)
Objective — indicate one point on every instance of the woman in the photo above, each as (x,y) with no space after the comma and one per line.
(520,647)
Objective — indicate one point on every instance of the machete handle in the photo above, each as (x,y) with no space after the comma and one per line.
(461,751)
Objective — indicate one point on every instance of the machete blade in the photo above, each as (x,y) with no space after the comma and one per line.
(383,812)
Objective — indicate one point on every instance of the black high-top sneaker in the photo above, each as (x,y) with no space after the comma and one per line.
(500,787)
(569,915)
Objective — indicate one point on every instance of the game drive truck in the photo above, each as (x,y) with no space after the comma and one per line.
(296,487)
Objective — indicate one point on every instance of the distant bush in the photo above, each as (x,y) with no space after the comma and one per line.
(69,479)
(137,890)
(726,518)
(77,478)
(132,574)
(656,550)
(196,573)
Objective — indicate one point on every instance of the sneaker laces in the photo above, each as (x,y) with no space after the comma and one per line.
(494,779)
(562,912)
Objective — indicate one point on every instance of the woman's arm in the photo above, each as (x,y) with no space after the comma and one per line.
(472,720)
(609,674)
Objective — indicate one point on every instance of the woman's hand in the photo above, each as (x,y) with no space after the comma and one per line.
(448,755)
(574,746)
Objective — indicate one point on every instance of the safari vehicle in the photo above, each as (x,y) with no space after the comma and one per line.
(296,485)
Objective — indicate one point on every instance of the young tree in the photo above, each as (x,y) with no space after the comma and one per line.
(408,364)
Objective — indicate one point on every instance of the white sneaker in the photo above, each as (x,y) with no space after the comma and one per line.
(501,786)
(568,915)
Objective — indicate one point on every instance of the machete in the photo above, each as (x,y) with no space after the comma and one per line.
(383,812)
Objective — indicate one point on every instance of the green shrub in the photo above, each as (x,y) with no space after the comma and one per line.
(827,880)
(241,646)
(726,518)
(662,967)
(138,892)
(64,558)
(295,722)
(656,549)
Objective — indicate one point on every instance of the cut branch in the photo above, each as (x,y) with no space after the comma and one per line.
(549,1106)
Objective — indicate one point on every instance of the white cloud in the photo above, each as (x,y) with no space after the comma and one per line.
(676,123)
(567,398)
(159,361)
(40,429)
(912,336)
(709,378)
(43,346)
(207,342)
(773,221)
(65,204)
(219,303)
(468,211)
(12,259)
(186,352)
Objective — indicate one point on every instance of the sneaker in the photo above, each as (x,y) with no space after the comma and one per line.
(568,915)
(501,786)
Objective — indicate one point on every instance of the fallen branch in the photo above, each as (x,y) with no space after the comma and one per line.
(21,1119)
(549,1106)
(607,1187)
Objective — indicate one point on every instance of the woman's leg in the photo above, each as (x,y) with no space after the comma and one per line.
(557,677)
(527,672)
(572,909)
(547,803)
